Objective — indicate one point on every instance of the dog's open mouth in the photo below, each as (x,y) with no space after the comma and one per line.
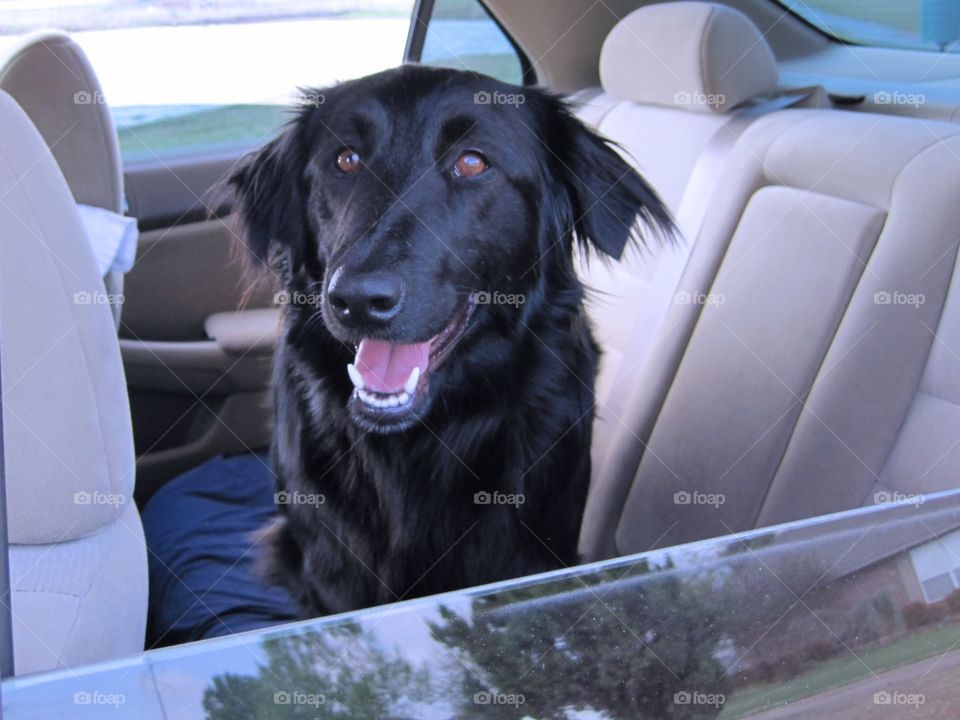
(391,380)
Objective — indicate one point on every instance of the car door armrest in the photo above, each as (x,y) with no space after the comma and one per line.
(245,332)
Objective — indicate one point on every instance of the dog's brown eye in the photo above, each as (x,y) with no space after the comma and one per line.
(348,161)
(470,164)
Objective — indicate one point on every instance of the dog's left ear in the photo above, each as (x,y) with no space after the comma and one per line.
(607,194)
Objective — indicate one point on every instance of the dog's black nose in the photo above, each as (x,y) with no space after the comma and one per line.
(357,299)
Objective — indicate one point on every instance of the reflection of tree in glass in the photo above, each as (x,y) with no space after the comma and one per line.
(755,587)
(330,674)
(639,647)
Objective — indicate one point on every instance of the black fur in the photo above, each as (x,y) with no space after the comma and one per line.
(510,409)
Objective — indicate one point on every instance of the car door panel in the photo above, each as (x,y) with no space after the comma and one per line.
(192,396)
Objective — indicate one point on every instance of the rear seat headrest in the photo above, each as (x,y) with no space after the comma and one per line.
(697,56)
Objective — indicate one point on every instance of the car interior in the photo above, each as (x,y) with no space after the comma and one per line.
(797,351)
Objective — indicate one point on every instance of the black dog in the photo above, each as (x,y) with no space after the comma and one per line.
(434,382)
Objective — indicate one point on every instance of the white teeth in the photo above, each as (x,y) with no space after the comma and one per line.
(355,377)
(383,401)
(411,384)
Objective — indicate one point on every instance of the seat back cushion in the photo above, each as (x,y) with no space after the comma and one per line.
(656,114)
(68,438)
(798,385)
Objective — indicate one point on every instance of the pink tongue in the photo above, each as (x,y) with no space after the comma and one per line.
(385,366)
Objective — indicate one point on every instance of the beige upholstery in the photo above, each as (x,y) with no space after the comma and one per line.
(247,331)
(703,56)
(680,152)
(50,77)
(794,389)
(753,363)
(77,551)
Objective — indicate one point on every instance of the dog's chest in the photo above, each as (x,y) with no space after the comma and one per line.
(430,527)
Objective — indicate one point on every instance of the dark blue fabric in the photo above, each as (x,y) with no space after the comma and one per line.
(199,530)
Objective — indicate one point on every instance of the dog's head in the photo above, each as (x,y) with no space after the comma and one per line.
(419,204)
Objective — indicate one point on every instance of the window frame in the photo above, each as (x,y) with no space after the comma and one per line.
(823,32)
(420,20)
(813,26)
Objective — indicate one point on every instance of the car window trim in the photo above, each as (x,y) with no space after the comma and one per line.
(420,20)
(816,28)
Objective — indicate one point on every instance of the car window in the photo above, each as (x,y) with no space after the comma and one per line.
(191,78)
(461,34)
(825,614)
(915,24)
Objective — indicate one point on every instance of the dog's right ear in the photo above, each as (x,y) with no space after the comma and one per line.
(268,195)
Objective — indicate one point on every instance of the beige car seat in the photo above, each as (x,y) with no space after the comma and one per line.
(77,554)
